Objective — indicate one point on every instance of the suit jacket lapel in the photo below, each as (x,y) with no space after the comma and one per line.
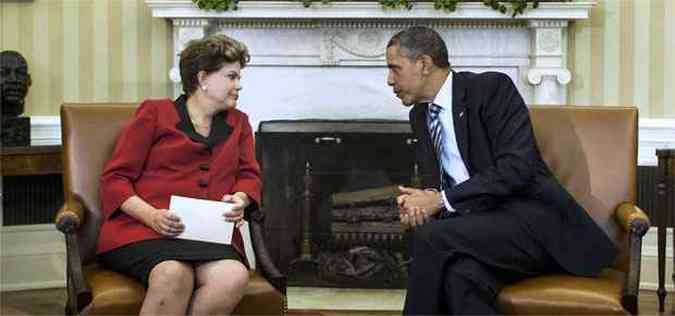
(421,125)
(459,116)
(426,155)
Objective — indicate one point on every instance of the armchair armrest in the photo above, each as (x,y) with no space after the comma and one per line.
(636,224)
(68,220)
(268,269)
(632,219)
(69,217)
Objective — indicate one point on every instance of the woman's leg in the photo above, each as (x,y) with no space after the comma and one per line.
(219,286)
(170,287)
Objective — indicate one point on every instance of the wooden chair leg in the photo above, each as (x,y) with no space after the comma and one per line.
(67,311)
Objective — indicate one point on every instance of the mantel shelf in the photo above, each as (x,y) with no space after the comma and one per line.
(185,9)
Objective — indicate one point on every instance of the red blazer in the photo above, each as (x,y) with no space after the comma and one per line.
(158,154)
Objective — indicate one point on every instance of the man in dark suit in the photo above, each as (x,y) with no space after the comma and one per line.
(492,213)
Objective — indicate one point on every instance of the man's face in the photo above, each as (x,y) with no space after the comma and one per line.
(405,76)
(14,81)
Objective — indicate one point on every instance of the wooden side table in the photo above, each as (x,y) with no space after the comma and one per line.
(31,160)
(665,203)
(32,189)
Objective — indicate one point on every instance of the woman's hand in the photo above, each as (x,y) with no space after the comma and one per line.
(162,221)
(165,223)
(240,202)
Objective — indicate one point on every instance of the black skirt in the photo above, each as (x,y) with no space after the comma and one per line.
(139,258)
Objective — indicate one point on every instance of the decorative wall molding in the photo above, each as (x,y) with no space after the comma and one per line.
(45,130)
(653,133)
(536,75)
(351,24)
(190,23)
(548,23)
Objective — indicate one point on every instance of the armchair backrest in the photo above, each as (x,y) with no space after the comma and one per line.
(593,152)
(89,133)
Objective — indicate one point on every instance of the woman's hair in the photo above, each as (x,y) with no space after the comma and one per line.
(209,54)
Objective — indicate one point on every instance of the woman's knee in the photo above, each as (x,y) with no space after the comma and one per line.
(229,275)
(172,276)
(240,278)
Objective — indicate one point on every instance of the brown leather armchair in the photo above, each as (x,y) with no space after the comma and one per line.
(89,133)
(593,152)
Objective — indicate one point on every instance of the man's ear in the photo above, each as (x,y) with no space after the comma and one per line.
(427,64)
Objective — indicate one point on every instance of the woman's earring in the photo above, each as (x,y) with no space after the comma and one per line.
(204,88)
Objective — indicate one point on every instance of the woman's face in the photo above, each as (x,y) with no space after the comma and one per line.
(222,87)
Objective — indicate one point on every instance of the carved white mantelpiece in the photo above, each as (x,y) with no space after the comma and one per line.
(327,61)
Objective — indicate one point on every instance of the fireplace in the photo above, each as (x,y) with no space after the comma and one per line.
(329,198)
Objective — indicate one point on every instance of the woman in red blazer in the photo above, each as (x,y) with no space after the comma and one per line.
(197,146)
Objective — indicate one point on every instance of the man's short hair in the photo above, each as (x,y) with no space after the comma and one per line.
(419,40)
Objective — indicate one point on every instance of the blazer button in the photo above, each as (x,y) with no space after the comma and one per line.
(204,167)
(203,183)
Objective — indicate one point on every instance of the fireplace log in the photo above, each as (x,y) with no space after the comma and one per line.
(363,197)
(385,213)
(368,227)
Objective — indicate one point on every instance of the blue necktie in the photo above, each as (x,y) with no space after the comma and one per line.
(436,132)
(436,129)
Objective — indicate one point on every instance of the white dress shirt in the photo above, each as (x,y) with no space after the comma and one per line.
(451,159)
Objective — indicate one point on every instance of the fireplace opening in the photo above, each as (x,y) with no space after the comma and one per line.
(329,198)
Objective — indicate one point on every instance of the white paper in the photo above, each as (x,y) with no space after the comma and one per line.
(248,244)
(203,219)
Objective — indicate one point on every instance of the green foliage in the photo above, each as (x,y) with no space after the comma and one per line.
(217,5)
(395,4)
(446,5)
(514,7)
(308,3)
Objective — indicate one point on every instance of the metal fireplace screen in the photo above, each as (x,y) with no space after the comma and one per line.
(329,199)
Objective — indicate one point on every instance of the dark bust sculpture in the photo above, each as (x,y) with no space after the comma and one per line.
(14,83)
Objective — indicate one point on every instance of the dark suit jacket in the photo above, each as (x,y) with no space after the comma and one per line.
(496,141)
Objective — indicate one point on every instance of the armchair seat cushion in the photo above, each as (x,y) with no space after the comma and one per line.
(117,294)
(261,298)
(113,293)
(565,295)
